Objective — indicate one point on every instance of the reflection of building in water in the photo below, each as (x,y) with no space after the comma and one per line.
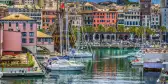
(110,68)
(107,68)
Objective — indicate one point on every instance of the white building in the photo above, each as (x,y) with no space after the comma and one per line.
(132,16)
(164,17)
(25,2)
(164,13)
(76,20)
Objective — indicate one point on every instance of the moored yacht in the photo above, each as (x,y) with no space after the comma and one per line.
(137,62)
(79,54)
(63,64)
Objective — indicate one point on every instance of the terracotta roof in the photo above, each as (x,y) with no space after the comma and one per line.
(42,35)
(16,17)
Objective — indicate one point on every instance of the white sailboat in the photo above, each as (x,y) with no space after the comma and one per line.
(63,64)
(76,53)
(79,54)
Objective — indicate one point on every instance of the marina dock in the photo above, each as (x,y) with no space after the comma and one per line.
(36,70)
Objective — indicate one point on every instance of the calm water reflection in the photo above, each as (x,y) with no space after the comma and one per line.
(109,66)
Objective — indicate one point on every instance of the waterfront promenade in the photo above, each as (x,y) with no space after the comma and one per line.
(36,70)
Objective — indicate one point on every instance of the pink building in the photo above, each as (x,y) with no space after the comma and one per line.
(18,31)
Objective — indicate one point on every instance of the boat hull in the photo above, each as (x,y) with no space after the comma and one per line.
(80,56)
(66,68)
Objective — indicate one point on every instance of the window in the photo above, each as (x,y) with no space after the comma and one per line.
(17,24)
(46,39)
(39,39)
(31,40)
(47,20)
(24,34)
(31,34)
(23,40)
(24,25)
(9,24)
(53,20)
(31,25)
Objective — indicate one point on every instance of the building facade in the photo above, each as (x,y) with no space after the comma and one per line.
(76,20)
(132,16)
(104,17)
(21,32)
(164,13)
(155,16)
(145,8)
(45,41)
(120,18)
(87,11)
(25,2)
(48,17)
(163,3)
(164,17)
(28,10)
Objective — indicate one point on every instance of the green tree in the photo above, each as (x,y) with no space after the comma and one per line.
(120,28)
(140,31)
(162,30)
(101,28)
(111,29)
(132,29)
(149,31)
(42,30)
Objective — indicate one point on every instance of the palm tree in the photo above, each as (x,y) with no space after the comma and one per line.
(150,32)
(101,28)
(111,29)
(121,28)
(162,30)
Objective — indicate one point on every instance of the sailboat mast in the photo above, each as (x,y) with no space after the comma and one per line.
(67,40)
(61,23)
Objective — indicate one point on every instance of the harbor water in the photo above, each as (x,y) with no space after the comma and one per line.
(108,66)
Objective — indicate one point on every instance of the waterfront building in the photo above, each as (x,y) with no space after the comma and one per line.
(120,18)
(155,16)
(74,15)
(76,20)
(132,16)
(3,10)
(87,15)
(33,11)
(51,4)
(45,41)
(19,32)
(25,2)
(164,13)
(105,17)
(145,9)
(48,17)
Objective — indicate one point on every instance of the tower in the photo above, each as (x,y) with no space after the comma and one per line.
(145,11)
(145,7)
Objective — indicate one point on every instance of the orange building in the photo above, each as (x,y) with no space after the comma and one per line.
(48,17)
(104,17)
